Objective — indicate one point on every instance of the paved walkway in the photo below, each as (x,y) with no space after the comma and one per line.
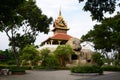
(106,76)
(58,75)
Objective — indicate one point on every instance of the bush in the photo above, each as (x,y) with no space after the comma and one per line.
(4,67)
(97,59)
(117,62)
(11,62)
(17,70)
(86,69)
(111,68)
(27,67)
(14,67)
(50,62)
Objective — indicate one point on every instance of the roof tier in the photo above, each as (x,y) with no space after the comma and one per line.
(61,36)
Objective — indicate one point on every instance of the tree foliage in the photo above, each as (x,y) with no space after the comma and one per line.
(63,53)
(29,53)
(97,59)
(8,53)
(98,8)
(28,16)
(105,36)
(23,15)
(108,33)
(9,7)
(22,40)
(49,61)
(6,57)
(44,52)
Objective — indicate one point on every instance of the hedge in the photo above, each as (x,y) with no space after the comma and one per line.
(111,68)
(86,69)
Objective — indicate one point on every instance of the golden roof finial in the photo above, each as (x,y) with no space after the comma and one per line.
(60,14)
(59,22)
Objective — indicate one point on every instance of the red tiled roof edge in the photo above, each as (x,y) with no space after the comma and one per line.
(61,36)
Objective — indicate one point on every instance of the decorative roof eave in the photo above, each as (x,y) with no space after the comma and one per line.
(59,39)
(58,36)
(61,36)
(47,40)
(60,28)
(42,43)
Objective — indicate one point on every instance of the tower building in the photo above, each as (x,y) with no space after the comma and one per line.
(60,35)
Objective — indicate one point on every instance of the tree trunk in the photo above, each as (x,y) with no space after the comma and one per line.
(60,60)
(13,46)
(16,55)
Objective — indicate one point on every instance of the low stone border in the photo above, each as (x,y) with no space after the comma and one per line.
(85,74)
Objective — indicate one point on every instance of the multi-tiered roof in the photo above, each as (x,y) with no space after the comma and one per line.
(60,32)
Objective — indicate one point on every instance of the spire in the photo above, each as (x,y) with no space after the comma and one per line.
(59,24)
(60,14)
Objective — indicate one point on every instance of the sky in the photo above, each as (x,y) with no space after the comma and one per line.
(78,21)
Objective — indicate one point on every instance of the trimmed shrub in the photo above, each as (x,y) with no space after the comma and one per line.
(86,69)
(14,66)
(111,68)
(17,70)
(14,69)
(4,66)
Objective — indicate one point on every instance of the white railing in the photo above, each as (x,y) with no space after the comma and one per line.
(51,47)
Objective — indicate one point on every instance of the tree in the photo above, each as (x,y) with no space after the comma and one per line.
(105,36)
(29,53)
(98,8)
(97,59)
(3,57)
(44,54)
(25,15)
(49,61)
(117,59)
(63,53)
(8,7)
(7,57)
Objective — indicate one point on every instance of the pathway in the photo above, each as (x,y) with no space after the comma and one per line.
(58,75)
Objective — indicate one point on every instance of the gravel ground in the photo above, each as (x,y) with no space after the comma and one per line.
(59,75)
